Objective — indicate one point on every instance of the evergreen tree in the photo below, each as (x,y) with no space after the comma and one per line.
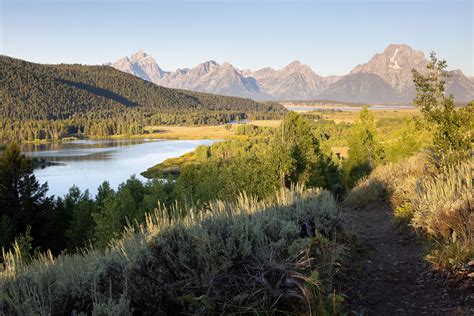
(81,226)
(23,200)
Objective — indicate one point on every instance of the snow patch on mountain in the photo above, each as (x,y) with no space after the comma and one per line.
(386,77)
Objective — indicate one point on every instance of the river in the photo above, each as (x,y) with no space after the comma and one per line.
(88,163)
(305,108)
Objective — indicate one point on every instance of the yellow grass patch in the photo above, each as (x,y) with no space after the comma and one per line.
(269,123)
(341,150)
(190,132)
(352,116)
(201,132)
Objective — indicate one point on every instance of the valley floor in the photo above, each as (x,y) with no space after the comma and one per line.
(391,276)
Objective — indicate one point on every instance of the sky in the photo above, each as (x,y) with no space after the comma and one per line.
(330,36)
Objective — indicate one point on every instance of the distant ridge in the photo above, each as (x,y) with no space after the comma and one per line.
(33,91)
(385,78)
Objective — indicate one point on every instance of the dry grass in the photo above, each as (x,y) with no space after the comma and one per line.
(244,257)
(269,123)
(318,103)
(343,151)
(220,132)
(444,210)
(352,116)
(438,205)
(393,181)
(332,112)
(190,132)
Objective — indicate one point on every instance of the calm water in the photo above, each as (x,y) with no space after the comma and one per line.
(88,163)
(350,108)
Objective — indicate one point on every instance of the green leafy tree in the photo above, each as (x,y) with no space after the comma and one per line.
(410,138)
(128,205)
(452,128)
(201,152)
(110,221)
(364,150)
(298,157)
(81,227)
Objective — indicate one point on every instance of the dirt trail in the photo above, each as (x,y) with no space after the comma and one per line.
(391,277)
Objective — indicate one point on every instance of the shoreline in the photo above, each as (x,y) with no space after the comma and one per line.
(91,166)
(172,132)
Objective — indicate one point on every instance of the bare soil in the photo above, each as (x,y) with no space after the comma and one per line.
(390,275)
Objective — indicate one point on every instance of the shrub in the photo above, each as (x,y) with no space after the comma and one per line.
(408,139)
(246,256)
(452,128)
(393,182)
(367,190)
(445,212)
(439,205)
(364,150)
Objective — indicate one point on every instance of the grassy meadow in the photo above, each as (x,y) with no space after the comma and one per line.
(189,132)
(391,125)
(218,132)
(252,224)
(352,116)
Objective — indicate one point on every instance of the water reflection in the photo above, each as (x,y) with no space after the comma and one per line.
(87,163)
(349,108)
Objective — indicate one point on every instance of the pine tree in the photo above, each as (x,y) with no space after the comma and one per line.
(22,199)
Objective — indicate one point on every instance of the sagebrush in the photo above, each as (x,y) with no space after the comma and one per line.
(438,204)
(246,256)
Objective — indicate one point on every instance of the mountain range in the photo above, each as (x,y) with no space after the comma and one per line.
(31,91)
(385,78)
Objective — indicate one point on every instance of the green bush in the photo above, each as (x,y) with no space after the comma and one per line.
(393,182)
(246,256)
(437,204)
(452,136)
(444,210)
(365,151)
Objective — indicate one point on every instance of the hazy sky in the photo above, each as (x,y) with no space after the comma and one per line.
(330,36)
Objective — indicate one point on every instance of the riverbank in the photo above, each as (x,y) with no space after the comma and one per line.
(352,116)
(171,132)
(190,132)
(87,164)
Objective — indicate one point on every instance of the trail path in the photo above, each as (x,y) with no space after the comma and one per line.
(391,277)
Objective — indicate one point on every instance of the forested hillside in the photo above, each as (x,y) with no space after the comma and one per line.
(278,220)
(55,101)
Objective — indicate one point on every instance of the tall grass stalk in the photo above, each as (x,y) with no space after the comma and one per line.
(247,256)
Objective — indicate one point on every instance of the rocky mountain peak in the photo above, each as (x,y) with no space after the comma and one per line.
(139,55)
(227,65)
(386,77)
(294,63)
(394,65)
(458,72)
(267,71)
(207,66)
(295,66)
(141,65)
(395,57)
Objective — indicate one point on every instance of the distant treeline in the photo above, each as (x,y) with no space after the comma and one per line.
(259,164)
(321,102)
(49,102)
